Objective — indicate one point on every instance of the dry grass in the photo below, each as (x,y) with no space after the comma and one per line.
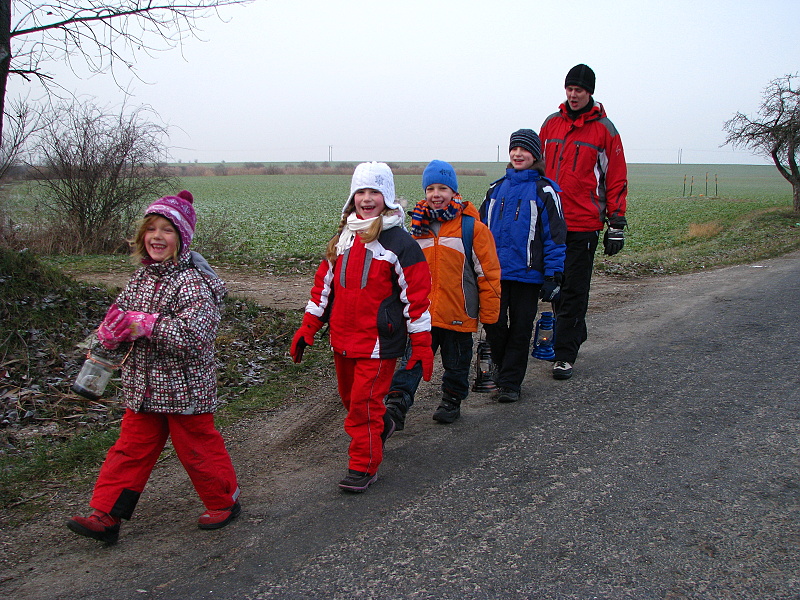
(703,230)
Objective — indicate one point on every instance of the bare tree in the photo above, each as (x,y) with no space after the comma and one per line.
(103,34)
(22,122)
(97,168)
(775,131)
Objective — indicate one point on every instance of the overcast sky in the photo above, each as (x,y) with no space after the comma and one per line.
(414,80)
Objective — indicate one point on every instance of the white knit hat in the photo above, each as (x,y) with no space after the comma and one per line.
(376,176)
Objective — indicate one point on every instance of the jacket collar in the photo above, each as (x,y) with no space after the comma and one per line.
(521,176)
(593,114)
(158,269)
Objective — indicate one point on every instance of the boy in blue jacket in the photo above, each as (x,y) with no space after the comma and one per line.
(523,212)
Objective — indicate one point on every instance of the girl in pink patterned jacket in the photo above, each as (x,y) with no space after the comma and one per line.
(168,316)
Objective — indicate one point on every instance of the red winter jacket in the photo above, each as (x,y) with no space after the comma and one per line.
(374,295)
(585,157)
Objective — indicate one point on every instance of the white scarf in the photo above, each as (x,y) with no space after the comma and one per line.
(354,225)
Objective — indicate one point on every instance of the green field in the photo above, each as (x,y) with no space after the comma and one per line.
(262,220)
(293,215)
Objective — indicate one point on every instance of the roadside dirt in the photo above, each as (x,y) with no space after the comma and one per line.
(289,292)
(276,454)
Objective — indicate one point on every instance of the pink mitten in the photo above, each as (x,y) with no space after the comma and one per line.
(105,333)
(134,325)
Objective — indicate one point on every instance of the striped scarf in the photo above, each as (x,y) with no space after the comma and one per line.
(423,215)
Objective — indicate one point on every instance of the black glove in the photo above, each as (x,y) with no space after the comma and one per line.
(613,240)
(551,288)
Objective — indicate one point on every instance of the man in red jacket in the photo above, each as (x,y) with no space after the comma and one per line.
(583,154)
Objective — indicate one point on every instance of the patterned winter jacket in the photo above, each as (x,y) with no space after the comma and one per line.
(373,295)
(523,212)
(460,295)
(174,371)
(585,157)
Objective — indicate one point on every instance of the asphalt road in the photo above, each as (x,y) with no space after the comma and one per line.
(666,468)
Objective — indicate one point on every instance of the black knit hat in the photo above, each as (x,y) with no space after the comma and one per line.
(582,76)
(528,140)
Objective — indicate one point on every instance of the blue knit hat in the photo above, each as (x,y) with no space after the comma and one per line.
(439,171)
(527,140)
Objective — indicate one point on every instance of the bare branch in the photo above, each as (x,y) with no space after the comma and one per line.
(103,35)
(23,122)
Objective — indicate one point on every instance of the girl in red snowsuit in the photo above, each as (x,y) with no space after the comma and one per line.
(372,290)
(168,316)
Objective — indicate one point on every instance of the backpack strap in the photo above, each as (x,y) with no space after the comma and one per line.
(467,229)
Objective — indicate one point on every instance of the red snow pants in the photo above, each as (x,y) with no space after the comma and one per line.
(363,383)
(129,462)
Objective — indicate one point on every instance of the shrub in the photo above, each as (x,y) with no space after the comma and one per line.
(96,170)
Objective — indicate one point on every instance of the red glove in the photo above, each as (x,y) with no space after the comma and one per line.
(304,336)
(134,325)
(421,352)
(105,333)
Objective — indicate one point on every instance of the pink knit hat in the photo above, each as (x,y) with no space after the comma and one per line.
(180,212)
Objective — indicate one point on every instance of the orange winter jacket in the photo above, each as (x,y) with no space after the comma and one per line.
(460,297)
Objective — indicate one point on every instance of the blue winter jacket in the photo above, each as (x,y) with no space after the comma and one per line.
(523,211)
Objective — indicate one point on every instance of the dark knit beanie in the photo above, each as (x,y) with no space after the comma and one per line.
(582,76)
(527,140)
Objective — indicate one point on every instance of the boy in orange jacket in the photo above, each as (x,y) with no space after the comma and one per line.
(465,289)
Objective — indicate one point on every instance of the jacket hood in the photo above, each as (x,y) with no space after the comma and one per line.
(215,284)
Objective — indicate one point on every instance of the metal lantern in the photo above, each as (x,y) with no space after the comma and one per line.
(544,337)
(484,381)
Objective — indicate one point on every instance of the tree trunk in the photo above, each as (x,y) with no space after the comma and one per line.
(796,196)
(5,57)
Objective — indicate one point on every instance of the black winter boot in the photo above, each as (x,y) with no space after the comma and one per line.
(449,410)
(396,409)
